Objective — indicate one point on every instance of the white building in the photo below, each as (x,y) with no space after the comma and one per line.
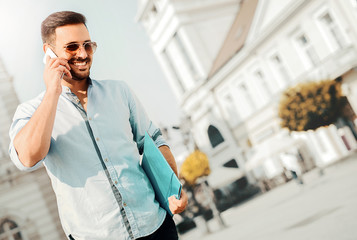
(229,61)
(28,209)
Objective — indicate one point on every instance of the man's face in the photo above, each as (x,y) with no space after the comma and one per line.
(80,62)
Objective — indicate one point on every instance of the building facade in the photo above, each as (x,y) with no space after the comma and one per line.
(28,209)
(228,63)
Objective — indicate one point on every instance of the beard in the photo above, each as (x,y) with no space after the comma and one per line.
(78,74)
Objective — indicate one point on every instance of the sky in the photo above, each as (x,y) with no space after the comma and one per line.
(123,53)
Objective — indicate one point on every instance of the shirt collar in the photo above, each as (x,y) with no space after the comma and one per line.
(66,89)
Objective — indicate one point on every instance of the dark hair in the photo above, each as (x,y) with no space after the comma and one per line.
(58,19)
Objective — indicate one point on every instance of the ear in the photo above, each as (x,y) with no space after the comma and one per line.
(45,46)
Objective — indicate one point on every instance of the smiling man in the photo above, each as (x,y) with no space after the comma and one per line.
(89,135)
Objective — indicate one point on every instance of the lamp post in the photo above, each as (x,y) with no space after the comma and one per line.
(186,130)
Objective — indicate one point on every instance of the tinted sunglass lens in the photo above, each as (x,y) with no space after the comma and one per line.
(72,47)
(90,47)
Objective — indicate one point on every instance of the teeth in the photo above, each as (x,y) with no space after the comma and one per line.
(80,63)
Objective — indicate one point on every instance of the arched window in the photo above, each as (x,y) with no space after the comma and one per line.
(214,135)
(231,164)
(9,230)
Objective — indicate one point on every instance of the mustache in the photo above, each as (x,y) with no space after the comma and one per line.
(72,60)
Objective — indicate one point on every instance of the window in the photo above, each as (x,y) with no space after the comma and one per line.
(185,54)
(279,69)
(230,110)
(333,34)
(262,82)
(9,230)
(231,164)
(246,102)
(173,71)
(309,53)
(214,135)
(262,88)
(308,49)
(179,63)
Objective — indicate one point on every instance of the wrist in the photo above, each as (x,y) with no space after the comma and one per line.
(53,93)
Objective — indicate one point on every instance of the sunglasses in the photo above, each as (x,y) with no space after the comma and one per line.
(73,48)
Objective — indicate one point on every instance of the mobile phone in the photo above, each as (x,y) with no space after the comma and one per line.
(50,53)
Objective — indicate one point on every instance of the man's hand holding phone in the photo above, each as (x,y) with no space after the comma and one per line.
(55,68)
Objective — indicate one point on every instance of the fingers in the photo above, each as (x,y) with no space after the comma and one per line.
(59,64)
(56,62)
(174,208)
(53,73)
(178,205)
(64,70)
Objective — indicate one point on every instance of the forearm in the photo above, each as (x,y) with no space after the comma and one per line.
(32,143)
(175,205)
(166,152)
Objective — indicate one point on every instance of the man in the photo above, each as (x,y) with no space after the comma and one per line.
(89,135)
(291,163)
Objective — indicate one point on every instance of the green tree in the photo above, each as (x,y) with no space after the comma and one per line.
(311,105)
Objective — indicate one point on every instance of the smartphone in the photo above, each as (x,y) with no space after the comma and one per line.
(50,53)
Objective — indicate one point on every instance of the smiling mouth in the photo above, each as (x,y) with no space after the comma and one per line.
(79,63)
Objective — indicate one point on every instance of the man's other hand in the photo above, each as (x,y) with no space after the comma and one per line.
(178,206)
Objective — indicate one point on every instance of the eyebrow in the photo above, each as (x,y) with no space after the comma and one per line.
(76,42)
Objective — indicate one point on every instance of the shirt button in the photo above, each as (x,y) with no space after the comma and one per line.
(106,159)
(90,119)
(116,182)
(124,204)
(97,139)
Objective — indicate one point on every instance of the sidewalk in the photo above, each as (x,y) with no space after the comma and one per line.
(325,207)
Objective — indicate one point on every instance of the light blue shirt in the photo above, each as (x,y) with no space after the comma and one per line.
(93,163)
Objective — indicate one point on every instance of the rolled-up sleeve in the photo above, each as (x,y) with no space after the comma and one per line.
(140,122)
(21,117)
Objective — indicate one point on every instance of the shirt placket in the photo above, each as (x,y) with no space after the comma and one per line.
(104,159)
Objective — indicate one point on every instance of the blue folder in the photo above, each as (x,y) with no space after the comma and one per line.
(163,179)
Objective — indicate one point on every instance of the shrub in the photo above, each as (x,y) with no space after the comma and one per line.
(311,105)
(195,165)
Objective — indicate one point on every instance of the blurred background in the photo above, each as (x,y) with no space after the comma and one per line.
(257,99)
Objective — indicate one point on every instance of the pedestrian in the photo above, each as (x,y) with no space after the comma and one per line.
(89,135)
(290,162)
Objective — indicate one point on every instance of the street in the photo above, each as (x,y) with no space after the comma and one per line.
(325,207)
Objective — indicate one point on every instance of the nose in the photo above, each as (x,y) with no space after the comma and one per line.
(82,53)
